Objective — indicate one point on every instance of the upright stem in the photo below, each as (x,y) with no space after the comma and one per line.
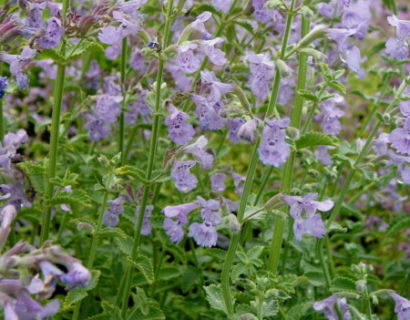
(296,118)
(55,124)
(1,110)
(233,245)
(123,66)
(276,245)
(93,249)
(124,295)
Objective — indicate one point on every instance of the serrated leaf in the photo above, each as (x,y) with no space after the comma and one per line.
(36,173)
(343,284)
(73,51)
(112,233)
(76,199)
(144,265)
(215,297)
(125,245)
(315,139)
(337,86)
(402,222)
(74,296)
(134,172)
(54,55)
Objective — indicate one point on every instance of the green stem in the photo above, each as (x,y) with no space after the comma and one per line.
(323,263)
(123,65)
(368,303)
(233,245)
(276,245)
(55,124)
(93,249)
(124,295)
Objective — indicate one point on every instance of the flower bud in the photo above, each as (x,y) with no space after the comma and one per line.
(233,223)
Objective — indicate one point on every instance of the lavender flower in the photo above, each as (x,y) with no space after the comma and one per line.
(179,130)
(208,113)
(215,55)
(107,107)
(137,61)
(111,35)
(330,116)
(328,307)
(97,128)
(204,234)
(146,222)
(357,16)
(273,150)
(176,218)
(239,182)
(218,182)
(111,216)
(77,275)
(261,13)
(210,211)
(199,23)
(216,88)
(262,72)
(311,222)
(3,86)
(322,154)
(187,60)
(197,149)
(402,308)
(52,34)
(233,128)
(222,5)
(400,138)
(184,180)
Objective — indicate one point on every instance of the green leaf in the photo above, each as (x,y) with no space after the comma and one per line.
(112,232)
(125,245)
(134,172)
(73,51)
(215,297)
(308,95)
(74,296)
(402,222)
(144,265)
(76,199)
(315,139)
(36,173)
(337,86)
(54,55)
(343,284)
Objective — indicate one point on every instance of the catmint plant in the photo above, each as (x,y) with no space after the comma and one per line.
(221,159)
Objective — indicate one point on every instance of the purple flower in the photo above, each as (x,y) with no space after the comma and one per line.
(402,27)
(400,138)
(97,128)
(397,48)
(139,107)
(107,108)
(402,308)
(137,61)
(184,180)
(77,275)
(341,36)
(197,149)
(233,127)
(248,131)
(3,86)
(215,55)
(182,82)
(111,35)
(405,108)
(222,5)
(179,130)
(208,113)
(216,88)
(328,307)
(353,61)
(261,13)
(238,181)
(311,222)
(146,222)
(18,64)
(380,145)
(357,16)
(322,154)
(52,34)
(204,234)
(218,182)
(330,116)
(262,72)
(111,216)
(273,149)
(210,211)
(187,60)
(198,23)
(176,218)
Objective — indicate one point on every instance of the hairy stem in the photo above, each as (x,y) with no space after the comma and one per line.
(124,295)
(55,124)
